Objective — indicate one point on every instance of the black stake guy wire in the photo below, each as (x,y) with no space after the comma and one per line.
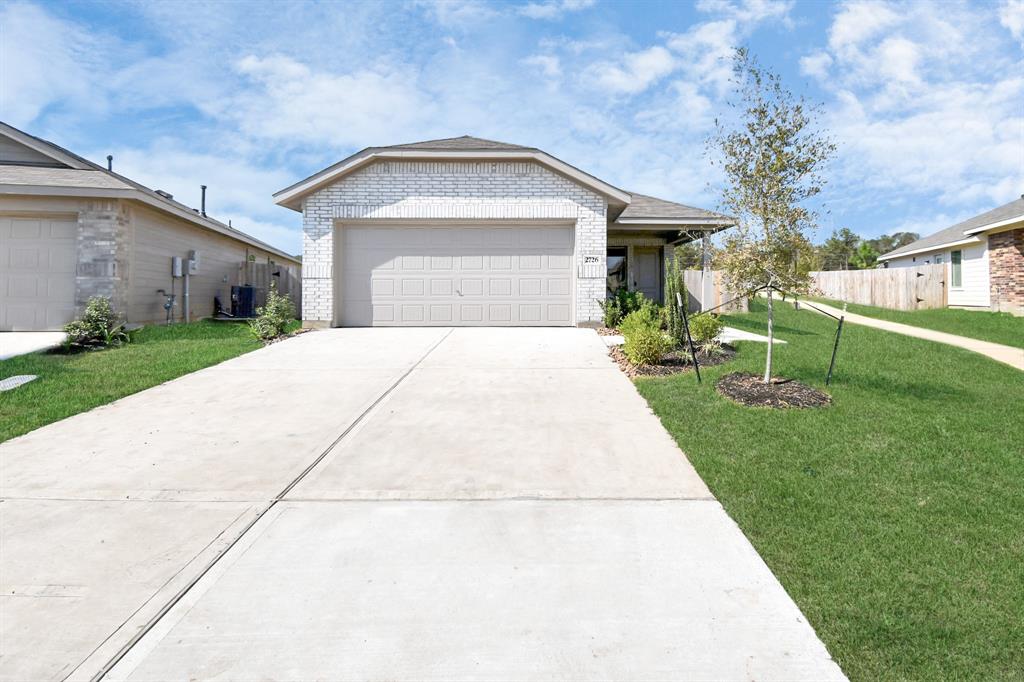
(689,339)
(796,302)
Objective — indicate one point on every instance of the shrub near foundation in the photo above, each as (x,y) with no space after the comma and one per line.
(644,341)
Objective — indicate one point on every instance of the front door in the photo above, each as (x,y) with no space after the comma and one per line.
(647,273)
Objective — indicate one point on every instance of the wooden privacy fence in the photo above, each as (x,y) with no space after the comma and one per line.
(706,290)
(897,288)
(259,276)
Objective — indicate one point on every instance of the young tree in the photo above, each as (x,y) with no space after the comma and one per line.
(865,257)
(838,250)
(772,157)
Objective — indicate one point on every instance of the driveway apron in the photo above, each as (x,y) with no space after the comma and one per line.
(430,504)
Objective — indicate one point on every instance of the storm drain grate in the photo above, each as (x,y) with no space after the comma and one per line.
(12,383)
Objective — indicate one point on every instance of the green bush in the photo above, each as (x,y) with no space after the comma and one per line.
(98,328)
(273,318)
(611,312)
(674,284)
(705,328)
(645,343)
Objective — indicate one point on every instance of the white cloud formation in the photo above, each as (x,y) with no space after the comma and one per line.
(44,62)
(1011,16)
(926,103)
(634,73)
(553,9)
(549,65)
(288,101)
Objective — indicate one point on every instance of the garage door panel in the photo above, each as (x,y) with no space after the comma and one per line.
(456,276)
(37,273)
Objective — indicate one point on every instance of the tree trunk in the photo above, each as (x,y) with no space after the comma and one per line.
(771,340)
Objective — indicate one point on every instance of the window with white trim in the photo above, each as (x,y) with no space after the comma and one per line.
(955,258)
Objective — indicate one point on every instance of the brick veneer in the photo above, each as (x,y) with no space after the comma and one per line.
(1006,270)
(102,246)
(443,190)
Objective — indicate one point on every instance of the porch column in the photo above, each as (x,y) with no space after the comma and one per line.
(707,277)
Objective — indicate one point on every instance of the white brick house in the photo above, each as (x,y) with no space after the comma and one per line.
(465,231)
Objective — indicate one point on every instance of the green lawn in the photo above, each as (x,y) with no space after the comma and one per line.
(894,517)
(69,384)
(977,324)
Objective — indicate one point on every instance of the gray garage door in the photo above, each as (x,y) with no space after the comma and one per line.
(37,273)
(456,276)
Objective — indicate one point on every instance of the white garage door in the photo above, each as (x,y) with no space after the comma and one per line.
(457,276)
(37,273)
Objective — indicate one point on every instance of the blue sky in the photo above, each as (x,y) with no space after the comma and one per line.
(924,99)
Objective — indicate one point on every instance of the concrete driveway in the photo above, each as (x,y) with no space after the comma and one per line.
(478,504)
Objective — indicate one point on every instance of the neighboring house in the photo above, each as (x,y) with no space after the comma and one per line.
(465,231)
(984,259)
(70,229)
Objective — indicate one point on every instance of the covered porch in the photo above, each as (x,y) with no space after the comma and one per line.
(644,234)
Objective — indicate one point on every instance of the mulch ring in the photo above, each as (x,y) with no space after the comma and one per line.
(673,363)
(751,390)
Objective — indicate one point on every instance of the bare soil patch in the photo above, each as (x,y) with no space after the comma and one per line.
(748,389)
(674,362)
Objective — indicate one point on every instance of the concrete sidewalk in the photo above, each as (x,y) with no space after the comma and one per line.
(384,504)
(1005,354)
(13,344)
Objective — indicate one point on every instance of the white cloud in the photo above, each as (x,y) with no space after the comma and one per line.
(1011,16)
(748,11)
(635,72)
(816,64)
(549,65)
(288,101)
(553,9)
(45,61)
(926,103)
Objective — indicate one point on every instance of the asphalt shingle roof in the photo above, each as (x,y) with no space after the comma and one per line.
(647,207)
(463,143)
(957,232)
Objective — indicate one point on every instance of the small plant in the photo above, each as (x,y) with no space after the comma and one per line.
(674,284)
(611,312)
(705,328)
(273,318)
(98,328)
(644,341)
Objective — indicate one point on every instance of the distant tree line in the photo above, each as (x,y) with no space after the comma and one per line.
(843,250)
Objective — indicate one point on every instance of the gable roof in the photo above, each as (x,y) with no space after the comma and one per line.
(645,209)
(963,232)
(451,148)
(634,209)
(463,143)
(74,175)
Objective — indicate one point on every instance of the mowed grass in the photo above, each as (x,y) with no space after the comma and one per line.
(984,325)
(69,384)
(895,516)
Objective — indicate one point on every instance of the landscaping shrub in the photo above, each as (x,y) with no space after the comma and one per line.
(98,328)
(704,330)
(611,312)
(644,341)
(674,284)
(273,318)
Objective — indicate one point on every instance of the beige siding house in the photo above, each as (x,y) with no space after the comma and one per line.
(983,257)
(70,229)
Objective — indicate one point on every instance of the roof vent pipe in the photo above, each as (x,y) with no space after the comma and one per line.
(203,204)
(110,162)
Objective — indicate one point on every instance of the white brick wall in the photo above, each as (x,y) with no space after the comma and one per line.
(457,190)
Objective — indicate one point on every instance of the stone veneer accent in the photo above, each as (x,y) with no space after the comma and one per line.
(456,191)
(1006,271)
(103,238)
